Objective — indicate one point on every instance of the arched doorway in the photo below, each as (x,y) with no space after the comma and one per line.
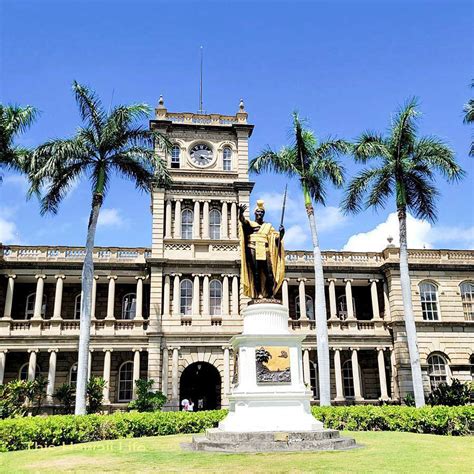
(201,383)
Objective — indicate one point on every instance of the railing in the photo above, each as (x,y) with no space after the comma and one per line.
(203,119)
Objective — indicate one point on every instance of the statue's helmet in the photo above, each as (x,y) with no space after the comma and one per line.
(260,206)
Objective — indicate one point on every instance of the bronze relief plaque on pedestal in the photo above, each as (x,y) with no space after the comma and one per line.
(273,364)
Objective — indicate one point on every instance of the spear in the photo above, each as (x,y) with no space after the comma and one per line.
(283,206)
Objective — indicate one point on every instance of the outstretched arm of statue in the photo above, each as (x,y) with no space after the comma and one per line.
(242,209)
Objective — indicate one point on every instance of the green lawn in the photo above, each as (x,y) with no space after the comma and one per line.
(382,451)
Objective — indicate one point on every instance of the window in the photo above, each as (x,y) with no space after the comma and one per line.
(77,306)
(73,375)
(23,372)
(227,159)
(175,153)
(348,379)
(467,297)
(129,306)
(125,385)
(30,306)
(437,370)
(342,307)
(187,224)
(471,362)
(186,297)
(309,308)
(215,292)
(429,301)
(313,375)
(215,224)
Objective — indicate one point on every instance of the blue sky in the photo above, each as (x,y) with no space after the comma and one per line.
(346,66)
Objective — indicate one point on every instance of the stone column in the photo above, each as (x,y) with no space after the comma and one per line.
(139,300)
(3,356)
(58,296)
(382,375)
(7,312)
(386,302)
(51,375)
(176,295)
(111,297)
(350,308)
(393,365)
(136,371)
(94,296)
(177,218)
(205,220)
(356,374)
(166,296)
(205,295)
(197,220)
(196,305)
(168,217)
(338,375)
(225,295)
(284,294)
(174,375)
(32,364)
(107,363)
(226,371)
(224,222)
(164,373)
(306,370)
(302,297)
(332,298)
(375,299)
(235,295)
(233,220)
(39,296)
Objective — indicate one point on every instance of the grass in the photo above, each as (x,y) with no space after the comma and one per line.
(382,451)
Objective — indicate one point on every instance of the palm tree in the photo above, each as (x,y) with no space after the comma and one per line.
(313,163)
(109,142)
(14,120)
(406,166)
(469,117)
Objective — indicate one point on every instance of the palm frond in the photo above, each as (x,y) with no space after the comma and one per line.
(90,107)
(358,186)
(421,196)
(16,120)
(404,128)
(282,162)
(135,165)
(369,145)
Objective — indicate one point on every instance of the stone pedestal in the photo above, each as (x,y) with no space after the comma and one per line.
(269,405)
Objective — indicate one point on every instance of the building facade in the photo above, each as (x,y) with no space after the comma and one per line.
(168,312)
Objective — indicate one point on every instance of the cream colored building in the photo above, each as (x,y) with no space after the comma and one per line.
(169,312)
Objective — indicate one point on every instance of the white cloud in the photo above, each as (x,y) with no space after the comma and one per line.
(296,237)
(329,218)
(110,218)
(420,233)
(8,232)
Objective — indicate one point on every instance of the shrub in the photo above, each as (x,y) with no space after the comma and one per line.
(65,395)
(95,394)
(18,395)
(409,400)
(147,400)
(455,394)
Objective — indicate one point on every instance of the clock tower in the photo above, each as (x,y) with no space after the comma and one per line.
(195,263)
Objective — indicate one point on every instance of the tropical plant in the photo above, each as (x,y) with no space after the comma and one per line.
(108,143)
(147,399)
(454,394)
(65,394)
(18,396)
(406,169)
(14,120)
(95,393)
(469,117)
(313,163)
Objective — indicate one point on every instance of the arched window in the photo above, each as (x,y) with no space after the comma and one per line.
(187,224)
(437,370)
(30,306)
(215,224)
(73,375)
(227,159)
(186,296)
(175,154)
(77,306)
(429,301)
(125,384)
(342,307)
(467,297)
(23,372)
(129,306)
(215,297)
(309,308)
(348,379)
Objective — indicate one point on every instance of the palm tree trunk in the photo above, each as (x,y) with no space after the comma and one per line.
(320,309)
(85,322)
(410,326)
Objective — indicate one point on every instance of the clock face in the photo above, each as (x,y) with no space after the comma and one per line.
(201,154)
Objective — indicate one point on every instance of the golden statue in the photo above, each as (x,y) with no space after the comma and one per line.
(262,253)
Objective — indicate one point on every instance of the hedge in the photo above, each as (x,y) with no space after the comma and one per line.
(40,432)
(441,420)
